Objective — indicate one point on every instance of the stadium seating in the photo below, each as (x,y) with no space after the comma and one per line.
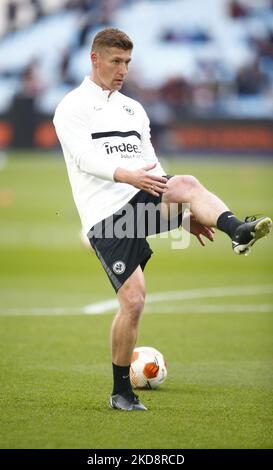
(216,56)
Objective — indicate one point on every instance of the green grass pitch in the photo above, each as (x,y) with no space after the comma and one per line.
(55,362)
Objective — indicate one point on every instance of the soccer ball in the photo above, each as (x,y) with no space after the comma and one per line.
(148,368)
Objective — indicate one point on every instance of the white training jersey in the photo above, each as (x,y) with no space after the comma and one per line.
(99,133)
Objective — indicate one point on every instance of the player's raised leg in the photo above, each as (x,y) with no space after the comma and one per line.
(205,206)
(131,297)
(211,211)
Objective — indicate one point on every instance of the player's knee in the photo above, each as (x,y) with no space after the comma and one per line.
(189,185)
(185,185)
(190,182)
(134,303)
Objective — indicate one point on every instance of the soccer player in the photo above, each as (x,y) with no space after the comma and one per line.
(115,175)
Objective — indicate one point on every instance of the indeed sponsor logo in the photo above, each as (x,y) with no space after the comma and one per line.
(123,148)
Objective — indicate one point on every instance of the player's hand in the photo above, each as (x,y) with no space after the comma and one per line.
(198,229)
(142,179)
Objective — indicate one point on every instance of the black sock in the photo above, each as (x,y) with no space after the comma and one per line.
(228,223)
(121,376)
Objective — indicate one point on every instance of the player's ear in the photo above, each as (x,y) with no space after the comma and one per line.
(94,58)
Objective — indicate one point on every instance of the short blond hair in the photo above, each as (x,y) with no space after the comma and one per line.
(111,37)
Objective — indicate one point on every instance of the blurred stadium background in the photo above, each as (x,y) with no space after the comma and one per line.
(203,69)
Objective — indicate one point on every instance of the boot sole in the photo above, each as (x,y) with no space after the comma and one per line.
(262,229)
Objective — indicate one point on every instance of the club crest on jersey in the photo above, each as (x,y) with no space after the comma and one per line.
(119,267)
(128,110)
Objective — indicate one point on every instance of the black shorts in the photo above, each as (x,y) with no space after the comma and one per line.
(120,240)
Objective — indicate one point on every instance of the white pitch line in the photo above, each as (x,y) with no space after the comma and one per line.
(101,307)
(169,309)
(37,311)
(212,308)
(110,305)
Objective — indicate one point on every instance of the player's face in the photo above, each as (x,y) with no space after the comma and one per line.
(110,67)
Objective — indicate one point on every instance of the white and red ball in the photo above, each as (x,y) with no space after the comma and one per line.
(148,368)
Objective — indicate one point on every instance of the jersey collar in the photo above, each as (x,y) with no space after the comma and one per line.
(97,89)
